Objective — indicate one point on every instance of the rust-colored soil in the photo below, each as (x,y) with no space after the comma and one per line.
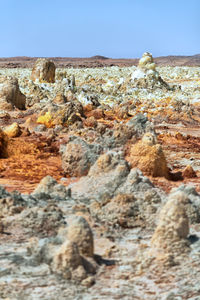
(29,160)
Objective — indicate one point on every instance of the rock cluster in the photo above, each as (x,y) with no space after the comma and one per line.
(64,115)
(97,136)
(43,70)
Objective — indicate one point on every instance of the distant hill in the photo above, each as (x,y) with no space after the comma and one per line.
(99,57)
(99,61)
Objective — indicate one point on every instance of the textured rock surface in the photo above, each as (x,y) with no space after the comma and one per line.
(78,156)
(10,203)
(43,221)
(135,204)
(10,94)
(149,157)
(44,239)
(146,75)
(170,236)
(64,115)
(43,70)
(193,205)
(12,130)
(104,177)
(49,188)
(3,144)
(80,233)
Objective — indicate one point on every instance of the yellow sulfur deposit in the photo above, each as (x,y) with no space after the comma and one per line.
(46,119)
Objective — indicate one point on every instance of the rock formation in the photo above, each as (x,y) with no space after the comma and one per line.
(146,75)
(3,144)
(43,70)
(49,188)
(64,115)
(80,233)
(78,156)
(74,259)
(10,94)
(149,157)
(107,173)
(170,236)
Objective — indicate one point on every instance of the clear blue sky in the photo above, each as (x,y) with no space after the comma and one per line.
(114,28)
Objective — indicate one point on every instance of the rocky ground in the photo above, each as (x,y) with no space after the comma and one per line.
(99,184)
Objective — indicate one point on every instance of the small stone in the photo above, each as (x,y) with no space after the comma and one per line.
(189,172)
(13,130)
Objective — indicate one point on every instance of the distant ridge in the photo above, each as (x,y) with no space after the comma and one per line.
(99,57)
(99,61)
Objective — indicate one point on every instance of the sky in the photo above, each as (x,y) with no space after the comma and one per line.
(112,28)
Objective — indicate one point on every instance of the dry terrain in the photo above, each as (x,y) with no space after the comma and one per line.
(100,178)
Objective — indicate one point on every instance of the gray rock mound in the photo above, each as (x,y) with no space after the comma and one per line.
(134,203)
(78,156)
(104,177)
(49,188)
(70,254)
(118,195)
(140,125)
(42,221)
(10,203)
(193,205)
(170,236)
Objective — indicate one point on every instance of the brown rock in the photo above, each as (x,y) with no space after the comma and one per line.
(79,232)
(10,94)
(67,260)
(189,172)
(173,227)
(5,106)
(64,115)
(149,157)
(3,144)
(12,130)
(44,70)
(74,259)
